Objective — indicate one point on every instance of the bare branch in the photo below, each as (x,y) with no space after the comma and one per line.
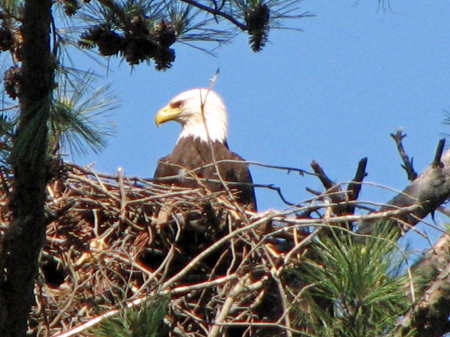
(407,164)
(326,182)
(439,151)
(354,187)
(429,191)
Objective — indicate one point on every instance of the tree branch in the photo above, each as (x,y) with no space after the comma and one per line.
(429,316)
(354,187)
(429,190)
(216,12)
(336,194)
(407,163)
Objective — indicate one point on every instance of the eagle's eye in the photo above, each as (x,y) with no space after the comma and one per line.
(176,105)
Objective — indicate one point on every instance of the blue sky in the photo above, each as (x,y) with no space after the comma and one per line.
(332,93)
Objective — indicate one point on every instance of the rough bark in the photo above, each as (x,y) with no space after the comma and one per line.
(25,237)
(429,316)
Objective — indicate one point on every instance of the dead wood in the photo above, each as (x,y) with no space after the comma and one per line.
(343,201)
(408,165)
(429,190)
(429,315)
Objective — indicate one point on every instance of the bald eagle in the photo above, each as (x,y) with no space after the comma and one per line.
(192,159)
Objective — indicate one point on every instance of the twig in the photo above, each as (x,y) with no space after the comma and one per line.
(300,246)
(123,196)
(444,210)
(333,191)
(101,188)
(354,187)
(194,262)
(238,288)
(284,301)
(407,164)
(326,182)
(213,155)
(289,169)
(216,13)
(437,157)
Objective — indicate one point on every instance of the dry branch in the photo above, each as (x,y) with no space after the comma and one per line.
(407,163)
(342,198)
(428,191)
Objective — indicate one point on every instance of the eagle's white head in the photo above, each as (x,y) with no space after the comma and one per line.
(188,109)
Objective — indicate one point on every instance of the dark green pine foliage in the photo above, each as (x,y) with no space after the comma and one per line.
(145,320)
(353,289)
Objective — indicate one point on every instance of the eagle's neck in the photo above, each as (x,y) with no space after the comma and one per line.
(215,123)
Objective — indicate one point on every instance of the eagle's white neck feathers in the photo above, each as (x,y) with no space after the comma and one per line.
(191,119)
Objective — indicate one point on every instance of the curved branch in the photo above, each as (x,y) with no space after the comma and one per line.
(216,12)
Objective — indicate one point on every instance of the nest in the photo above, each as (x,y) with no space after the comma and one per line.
(112,240)
(115,241)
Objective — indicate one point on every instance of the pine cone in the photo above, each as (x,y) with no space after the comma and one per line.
(6,39)
(108,41)
(257,19)
(12,80)
(138,26)
(139,49)
(164,33)
(164,58)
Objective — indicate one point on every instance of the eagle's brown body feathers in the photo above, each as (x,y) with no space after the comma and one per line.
(191,162)
(235,174)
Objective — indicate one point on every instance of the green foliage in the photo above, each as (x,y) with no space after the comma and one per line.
(76,113)
(76,123)
(353,289)
(145,320)
(72,121)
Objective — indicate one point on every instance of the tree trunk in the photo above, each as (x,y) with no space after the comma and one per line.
(25,238)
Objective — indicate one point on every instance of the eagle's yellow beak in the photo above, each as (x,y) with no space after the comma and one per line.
(166,114)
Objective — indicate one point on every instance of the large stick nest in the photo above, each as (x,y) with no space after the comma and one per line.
(114,241)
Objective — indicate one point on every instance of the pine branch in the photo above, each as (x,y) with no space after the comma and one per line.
(217,12)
